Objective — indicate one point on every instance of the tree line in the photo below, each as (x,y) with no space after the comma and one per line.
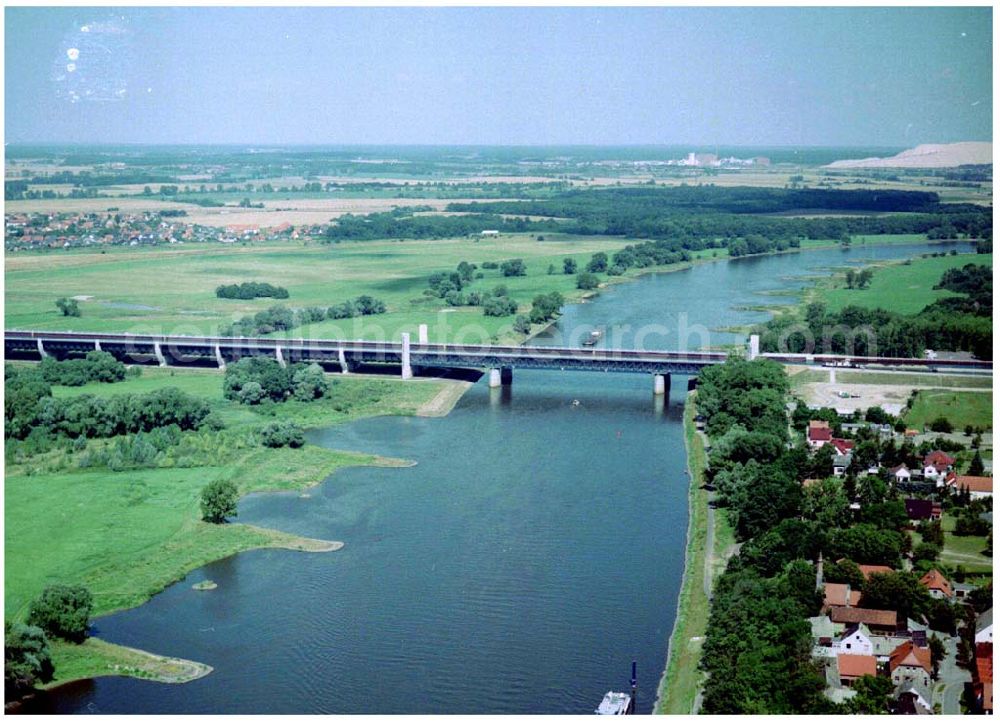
(251,289)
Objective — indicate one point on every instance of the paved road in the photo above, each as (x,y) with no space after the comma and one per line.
(951,681)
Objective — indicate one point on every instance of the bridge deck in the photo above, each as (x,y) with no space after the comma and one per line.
(183,349)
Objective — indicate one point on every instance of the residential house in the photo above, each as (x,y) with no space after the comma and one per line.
(982,678)
(852,667)
(912,698)
(879,621)
(984,627)
(855,639)
(980,487)
(900,473)
(937,584)
(910,663)
(844,447)
(937,464)
(839,595)
(922,509)
(868,569)
(818,434)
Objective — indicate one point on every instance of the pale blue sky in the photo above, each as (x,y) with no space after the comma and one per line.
(737,76)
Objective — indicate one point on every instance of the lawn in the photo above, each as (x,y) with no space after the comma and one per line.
(961,408)
(905,287)
(966,551)
(801,375)
(173,290)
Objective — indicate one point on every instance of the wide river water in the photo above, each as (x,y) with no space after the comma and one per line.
(533,551)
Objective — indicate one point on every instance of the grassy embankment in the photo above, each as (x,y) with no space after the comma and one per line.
(801,375)
(682,679)
(127,535)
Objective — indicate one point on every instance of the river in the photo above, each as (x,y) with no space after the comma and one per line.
(533,551)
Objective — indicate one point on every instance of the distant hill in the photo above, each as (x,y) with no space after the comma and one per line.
(948,155)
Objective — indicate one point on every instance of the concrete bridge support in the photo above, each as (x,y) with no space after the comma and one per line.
(692,383)
(407,368)
(159,355)
(661,384)
(97,344)
(218,358)
(422,334)
(754,350)
(342,360)
(494,378)
(278,355)
(41,349)
(501,377)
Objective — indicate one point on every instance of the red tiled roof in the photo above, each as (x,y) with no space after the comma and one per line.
(984,662)
(988,696)
(936,580)
(861,615)
(856,665)
(939,460)
(909,655)
(840,595)
(843,446)
(868,569)
(982,484)
(819,431)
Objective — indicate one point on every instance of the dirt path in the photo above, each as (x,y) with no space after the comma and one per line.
(445,400)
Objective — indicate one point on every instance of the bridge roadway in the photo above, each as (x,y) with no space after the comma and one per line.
(499,360)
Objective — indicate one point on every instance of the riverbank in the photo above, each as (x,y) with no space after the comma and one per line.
(710,542)
(128,535)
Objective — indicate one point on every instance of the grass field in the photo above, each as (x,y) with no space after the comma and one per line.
(961,408)
(966,551)
(902,287)
(128,534)
(173,291)
(682,679)
(800,375)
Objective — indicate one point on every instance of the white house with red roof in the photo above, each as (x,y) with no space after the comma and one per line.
(818,434)
(937,464)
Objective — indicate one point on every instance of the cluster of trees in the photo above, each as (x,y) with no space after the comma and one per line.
(401,223)
(251,289)
(757,649)
(97,366)
(545,307)
(878,332)
(281,434)
(363,305)
(498,303)
(60,612)
(68,307)
(281,318)
(30,409)
(859,279)
(258,379)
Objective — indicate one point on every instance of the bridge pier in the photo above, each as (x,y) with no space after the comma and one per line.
(279,356)
(41,349)
(661,384)
(494,378)
(97,344)
(692,383)
(754,350)
(342,360)
(506,376)
(159,354)
(422,334)
(218,358)
(407,372)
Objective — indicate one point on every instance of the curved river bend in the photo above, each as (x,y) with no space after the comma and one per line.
(535,549)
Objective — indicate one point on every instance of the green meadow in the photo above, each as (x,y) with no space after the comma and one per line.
(173,290)
(905,287)
(961,408)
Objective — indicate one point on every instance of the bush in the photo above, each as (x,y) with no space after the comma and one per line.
(63,611)
(587,281)
(598,262)
(68,306)
(499,306)
(513,267)
(941,424)
(569,266)
(27,660)
(251,289)
(275,436)
(218,501)
(522,324)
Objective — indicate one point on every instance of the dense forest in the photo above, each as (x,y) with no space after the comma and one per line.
(695,217)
